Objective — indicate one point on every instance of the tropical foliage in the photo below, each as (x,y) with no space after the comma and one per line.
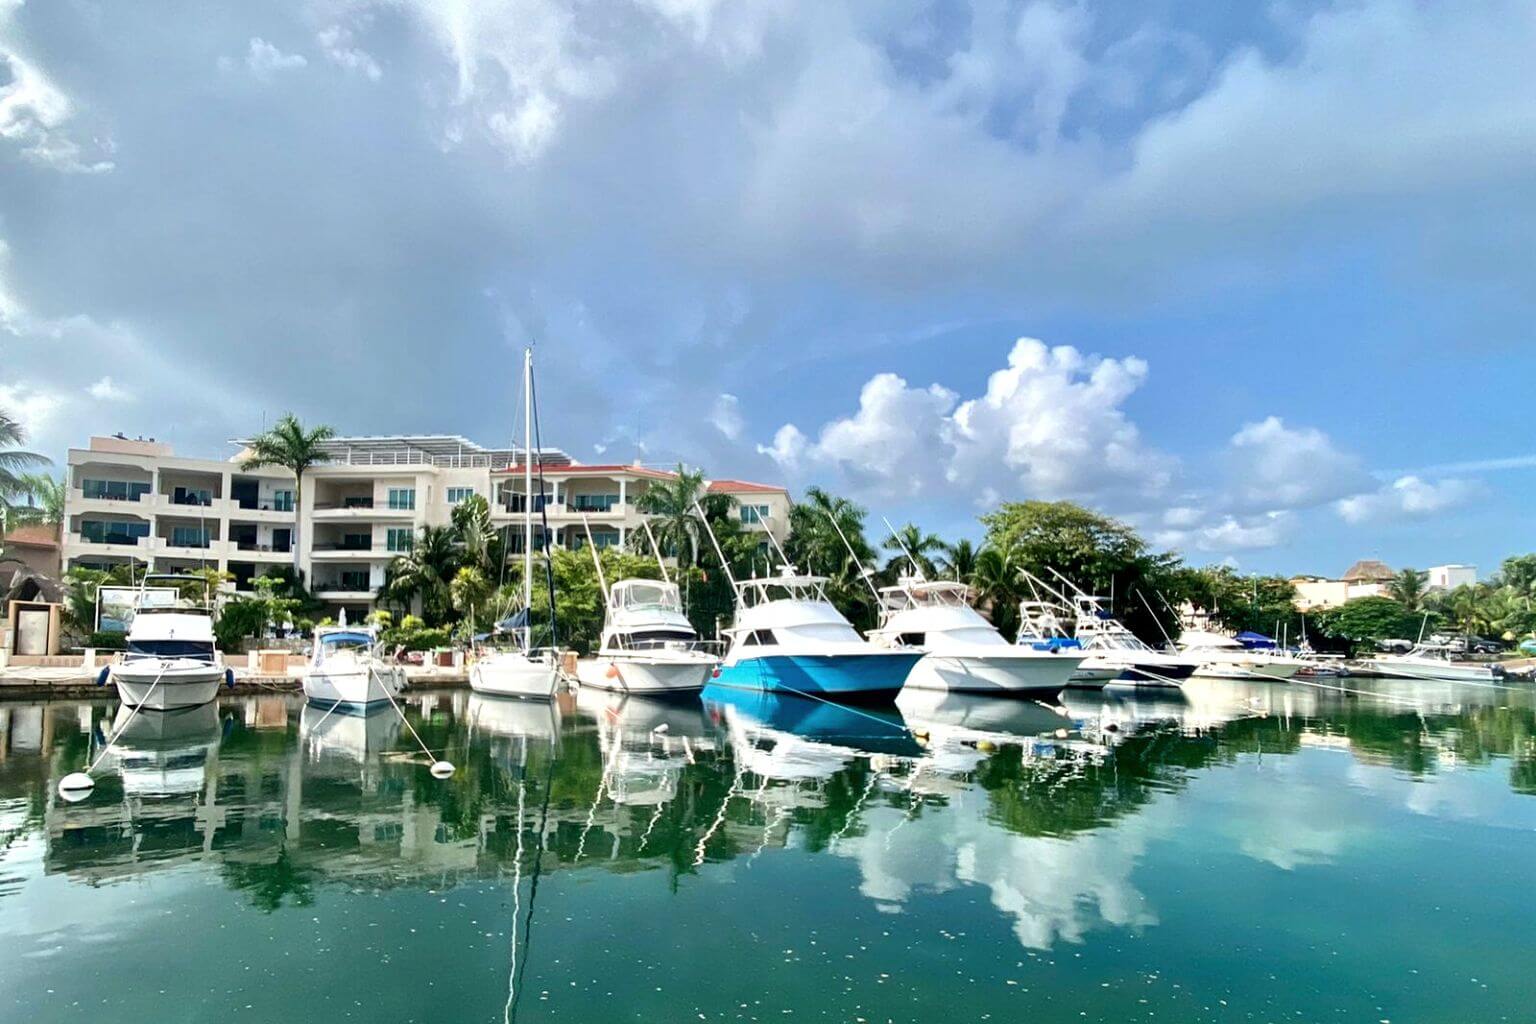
(15,465)
(289,445)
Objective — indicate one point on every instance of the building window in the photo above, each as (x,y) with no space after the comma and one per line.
(594,502)
(282,501)
(356,541)
(753,513)
(191,496)
(189,536)
(113,490)
(98,532)
(400,538)
(458,495)
(354,579)
(402,498)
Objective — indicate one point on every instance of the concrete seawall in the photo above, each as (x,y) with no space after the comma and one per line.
(30,682)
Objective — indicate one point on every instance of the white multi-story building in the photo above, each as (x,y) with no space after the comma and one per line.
(136,500)
(1449,577)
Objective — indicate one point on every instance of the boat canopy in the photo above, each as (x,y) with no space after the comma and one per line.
(645,595)
(514,623)
(346,636)
(919,593)
(1251,640)
(784,587)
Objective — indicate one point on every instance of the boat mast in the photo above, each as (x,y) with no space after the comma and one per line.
(527,500)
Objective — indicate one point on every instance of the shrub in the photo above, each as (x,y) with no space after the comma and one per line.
(107,640)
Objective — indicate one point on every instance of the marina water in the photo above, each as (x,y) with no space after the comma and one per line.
(1246,852)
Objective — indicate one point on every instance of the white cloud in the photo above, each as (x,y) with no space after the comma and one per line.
(105,390)
(33,407)
(1049,425)
(726,416)
(266,60)
(1274,466)
(336,43)
(32,113)
(1407,496)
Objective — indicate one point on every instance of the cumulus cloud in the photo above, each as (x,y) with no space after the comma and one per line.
(726,416)
(32,114)
(336,43)
(32,407)
(1048,425)
(1407,497)
(105,390)
(266,60)
(1276,466)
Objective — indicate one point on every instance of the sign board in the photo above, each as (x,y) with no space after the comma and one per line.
(114,605)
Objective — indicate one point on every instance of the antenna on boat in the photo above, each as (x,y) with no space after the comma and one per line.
(916,570)
(602,581)
(656,548)
(863,573)
(714,541)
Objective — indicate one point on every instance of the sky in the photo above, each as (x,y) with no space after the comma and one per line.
(1257,278)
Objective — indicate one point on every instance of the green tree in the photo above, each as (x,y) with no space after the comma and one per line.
(909,540)
(579,607)
(425,573)
(1407,588)
(44,504)
(959,561)
(1368,619)
(468,592)
(815,546)
(672,504)
(14,461)
(295,449)
(1519,572)
(997,589)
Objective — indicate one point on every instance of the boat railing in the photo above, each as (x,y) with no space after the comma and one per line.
(715,648)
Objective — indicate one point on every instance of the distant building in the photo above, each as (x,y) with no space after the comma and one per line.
(1317,592)
(137,500)
(1368,578)
(36,547)
(1449,577)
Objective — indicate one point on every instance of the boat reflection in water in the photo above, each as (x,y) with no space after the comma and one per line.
(167,753)
(348,734)
(779,736)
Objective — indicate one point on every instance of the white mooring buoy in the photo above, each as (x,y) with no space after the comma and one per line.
(442,769)
(76,786)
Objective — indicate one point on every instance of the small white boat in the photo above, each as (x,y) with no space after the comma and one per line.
(1224,657)
(648,645)
(964,653)
(1041,628)
(1110,646)
(170,661)
(346,667)
(523,671)
(1429,661)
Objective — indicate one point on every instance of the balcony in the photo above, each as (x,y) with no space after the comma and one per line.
(264,510)
(356,509)
(341,590)
(251,550)
(326,550)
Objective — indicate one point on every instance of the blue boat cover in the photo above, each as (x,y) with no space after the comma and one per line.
(1251,639)
(515,621)
(358,637)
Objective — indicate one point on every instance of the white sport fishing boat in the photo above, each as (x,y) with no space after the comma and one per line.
(520,671)
(170,661)
(346,667)
(1429,661)
(1224,657)
(1041,628)
(1110,645)
(964,653)
(648,645)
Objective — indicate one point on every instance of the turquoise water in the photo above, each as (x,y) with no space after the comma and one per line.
(1246,853)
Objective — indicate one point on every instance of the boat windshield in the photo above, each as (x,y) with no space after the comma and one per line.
(201,650)
(647,597)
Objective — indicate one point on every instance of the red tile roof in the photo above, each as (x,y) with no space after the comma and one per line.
(744,486)
(34,536)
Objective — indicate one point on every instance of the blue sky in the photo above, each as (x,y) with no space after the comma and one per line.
(1270,263)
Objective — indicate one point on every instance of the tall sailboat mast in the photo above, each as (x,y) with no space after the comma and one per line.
(528,499)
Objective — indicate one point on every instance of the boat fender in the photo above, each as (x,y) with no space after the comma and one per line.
(229,678)
(101,677)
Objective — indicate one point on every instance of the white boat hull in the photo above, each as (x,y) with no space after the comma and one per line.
(1439,671)
(1094,673)
(184,685)
(1270,671)
(645,673)
(360,686)
(1000,675)
(514,675)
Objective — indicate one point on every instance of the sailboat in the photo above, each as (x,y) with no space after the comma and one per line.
(523,671)
(648,645)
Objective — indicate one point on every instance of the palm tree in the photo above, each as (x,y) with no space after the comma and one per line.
(468,591)
(295,449)
(14,462)
(911,543)
(960,560)
(671,504)
(814,541)
(425,572)
(1407,588)
(45,501)
(995,583)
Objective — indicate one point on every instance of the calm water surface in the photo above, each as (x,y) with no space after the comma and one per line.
(1246,853)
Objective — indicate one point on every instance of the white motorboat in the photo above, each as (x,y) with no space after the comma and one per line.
(170,661)
(1224,657)
(520,671)
(1429,661)
(1041,628)
(963,652)
(347,667)
(1109,645)
(648,645)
